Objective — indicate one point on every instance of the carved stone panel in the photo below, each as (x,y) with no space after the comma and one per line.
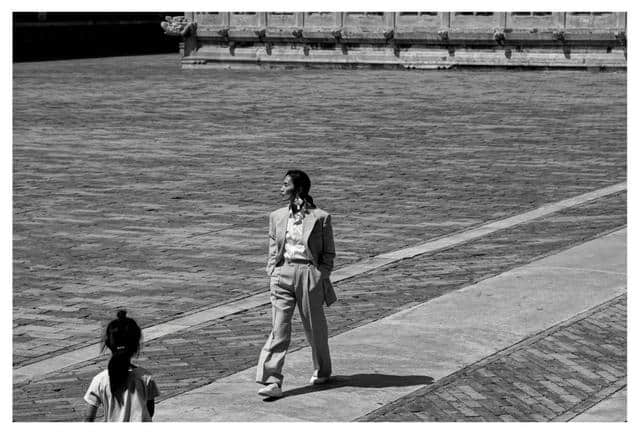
(243,19)
(427,21)
(209,18)
(320,20)
(531,20)
(364,21)
(591,20)
(281,19)
(475,20)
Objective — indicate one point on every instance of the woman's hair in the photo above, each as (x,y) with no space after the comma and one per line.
(123,339)
(301,185)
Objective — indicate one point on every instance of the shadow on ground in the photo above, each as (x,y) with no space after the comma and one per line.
(360,380)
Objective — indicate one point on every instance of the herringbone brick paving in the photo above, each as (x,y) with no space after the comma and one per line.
(219,348)
(131,190)
(551,376)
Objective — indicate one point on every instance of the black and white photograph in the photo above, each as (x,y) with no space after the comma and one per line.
(340,212)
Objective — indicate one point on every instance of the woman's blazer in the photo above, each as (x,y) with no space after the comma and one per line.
(317,235)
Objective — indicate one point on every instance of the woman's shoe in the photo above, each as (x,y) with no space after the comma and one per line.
(272,390)
(315,380)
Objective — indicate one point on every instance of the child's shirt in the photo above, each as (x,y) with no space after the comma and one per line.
(140,389)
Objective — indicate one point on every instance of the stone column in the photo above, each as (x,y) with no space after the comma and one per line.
(262,19)
(445,20)
(621,20)
(390,20)
(559,20)
(502,20)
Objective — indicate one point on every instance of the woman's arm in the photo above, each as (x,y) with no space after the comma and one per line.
(151,406)
(90,414)
(273,248)
(328,247)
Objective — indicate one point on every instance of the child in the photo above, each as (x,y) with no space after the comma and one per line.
(126,391)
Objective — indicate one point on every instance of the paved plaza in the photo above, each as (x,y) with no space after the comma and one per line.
(165,214)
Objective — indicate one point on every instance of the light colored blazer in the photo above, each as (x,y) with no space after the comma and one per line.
(317,236)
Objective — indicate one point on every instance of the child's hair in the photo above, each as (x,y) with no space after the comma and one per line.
(123,339)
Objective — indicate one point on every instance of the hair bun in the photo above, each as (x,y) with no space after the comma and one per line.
(122,314)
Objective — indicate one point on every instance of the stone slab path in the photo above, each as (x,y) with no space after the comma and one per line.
(204,353)
(190,319)
(556,375)
(387,359)
(212,350)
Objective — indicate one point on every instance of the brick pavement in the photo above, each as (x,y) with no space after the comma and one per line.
(213,350)
(122,198)
(552,376)
(192,318)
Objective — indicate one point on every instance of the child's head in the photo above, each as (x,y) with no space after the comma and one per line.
(123,339)
(123,335)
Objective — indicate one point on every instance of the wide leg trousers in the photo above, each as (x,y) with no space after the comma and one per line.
(295,284)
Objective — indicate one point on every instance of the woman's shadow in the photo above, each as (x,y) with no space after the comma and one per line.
(360,380)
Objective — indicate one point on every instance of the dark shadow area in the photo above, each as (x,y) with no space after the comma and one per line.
(377,381)
(68,35)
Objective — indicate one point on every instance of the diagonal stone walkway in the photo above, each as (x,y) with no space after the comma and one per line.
(51,364)
(382,361)
(215,349)
(552,376)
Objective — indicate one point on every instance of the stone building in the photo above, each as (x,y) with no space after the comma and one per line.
(421,40)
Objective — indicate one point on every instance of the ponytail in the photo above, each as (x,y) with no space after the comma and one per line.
(123,339)
(118,374)
(308,202)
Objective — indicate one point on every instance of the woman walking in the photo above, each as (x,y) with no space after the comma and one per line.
(300,261)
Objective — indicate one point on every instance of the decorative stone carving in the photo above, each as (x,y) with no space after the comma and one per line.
(559,35)
(178,26)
